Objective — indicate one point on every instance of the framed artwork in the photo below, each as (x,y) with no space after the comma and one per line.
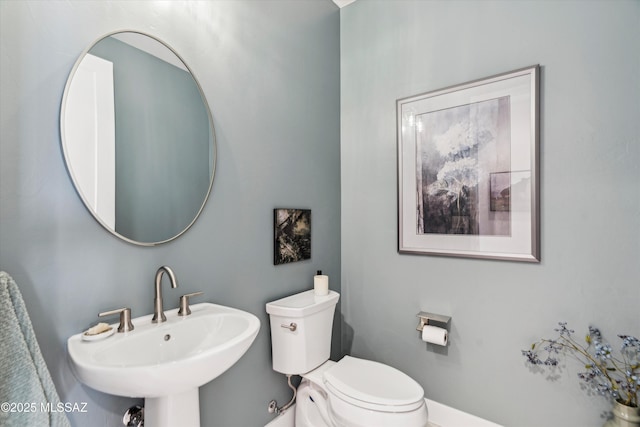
(292,235)
(468,169)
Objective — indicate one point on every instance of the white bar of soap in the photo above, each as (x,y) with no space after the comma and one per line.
(98,329)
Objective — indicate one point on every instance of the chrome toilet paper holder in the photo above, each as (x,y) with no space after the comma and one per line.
(433,320)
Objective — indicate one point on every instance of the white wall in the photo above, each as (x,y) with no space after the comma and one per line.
(590,198)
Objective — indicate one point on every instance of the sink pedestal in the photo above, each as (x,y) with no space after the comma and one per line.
(176,410)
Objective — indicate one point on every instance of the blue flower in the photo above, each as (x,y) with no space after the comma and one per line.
(532,357)
(594,332)
(606,374)
(602,351)
(563,330)
(629,341)
(553,347)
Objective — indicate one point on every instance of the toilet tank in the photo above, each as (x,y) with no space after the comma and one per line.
(301,327)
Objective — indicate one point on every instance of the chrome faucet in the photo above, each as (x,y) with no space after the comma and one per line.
(158,312)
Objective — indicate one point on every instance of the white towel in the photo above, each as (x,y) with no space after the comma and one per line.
(26,388)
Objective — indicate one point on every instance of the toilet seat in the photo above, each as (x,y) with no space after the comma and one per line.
(372,385)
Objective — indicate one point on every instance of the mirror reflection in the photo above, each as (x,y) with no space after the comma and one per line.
(138,138)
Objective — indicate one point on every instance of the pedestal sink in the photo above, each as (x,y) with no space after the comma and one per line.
(166,363)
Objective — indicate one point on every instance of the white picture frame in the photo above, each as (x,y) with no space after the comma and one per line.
(452,143)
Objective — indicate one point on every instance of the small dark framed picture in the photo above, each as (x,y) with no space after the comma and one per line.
(292,235)
(500,190)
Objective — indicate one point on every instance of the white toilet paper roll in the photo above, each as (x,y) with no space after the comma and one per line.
(435,335)
(321,285)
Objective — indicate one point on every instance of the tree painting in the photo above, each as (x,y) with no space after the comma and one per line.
(457,149)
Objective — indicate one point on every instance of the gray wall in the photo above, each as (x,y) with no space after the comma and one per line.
(270,71)
(590,198)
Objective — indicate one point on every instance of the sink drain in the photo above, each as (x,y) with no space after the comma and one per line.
(167,337)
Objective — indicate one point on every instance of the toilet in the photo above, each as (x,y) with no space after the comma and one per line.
(352,392)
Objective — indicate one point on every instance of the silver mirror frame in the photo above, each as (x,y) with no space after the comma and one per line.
(65,151)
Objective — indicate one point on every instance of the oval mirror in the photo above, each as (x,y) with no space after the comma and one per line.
(138,138)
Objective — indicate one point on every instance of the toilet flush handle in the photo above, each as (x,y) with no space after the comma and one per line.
(291,326)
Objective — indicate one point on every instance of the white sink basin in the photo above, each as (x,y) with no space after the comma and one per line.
(165,360)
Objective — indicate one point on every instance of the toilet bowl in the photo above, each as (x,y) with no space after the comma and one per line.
(359,393)
(352,392)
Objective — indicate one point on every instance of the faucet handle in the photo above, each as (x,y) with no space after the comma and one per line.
(125,318)
(184,303)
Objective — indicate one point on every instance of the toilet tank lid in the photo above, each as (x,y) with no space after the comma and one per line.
(302,304)
(375,383)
